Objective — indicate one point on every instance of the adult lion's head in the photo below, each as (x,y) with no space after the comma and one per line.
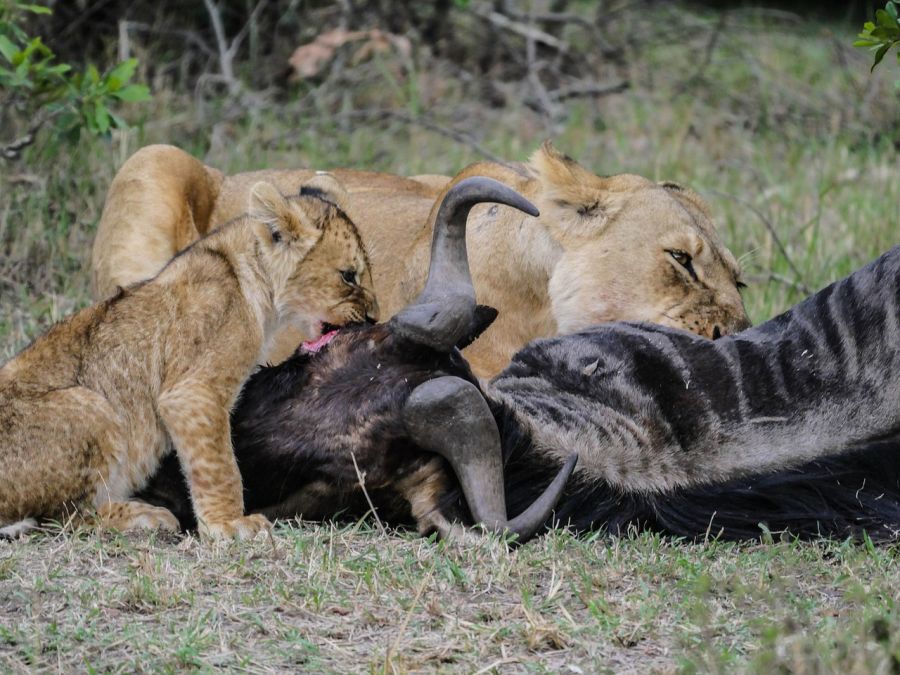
(632,249)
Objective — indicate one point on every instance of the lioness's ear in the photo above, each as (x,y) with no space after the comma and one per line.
(577,200)
(285,219)
(686,194)
(325,186)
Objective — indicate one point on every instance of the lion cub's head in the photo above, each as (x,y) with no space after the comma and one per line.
(321,269)
(634,250)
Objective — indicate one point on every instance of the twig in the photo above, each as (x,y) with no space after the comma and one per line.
(362,483)
(578,90)
(796,285)
(771,228)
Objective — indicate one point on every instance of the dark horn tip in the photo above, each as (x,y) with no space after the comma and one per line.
(527,523)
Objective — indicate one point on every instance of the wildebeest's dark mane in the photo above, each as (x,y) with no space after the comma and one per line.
(840,497)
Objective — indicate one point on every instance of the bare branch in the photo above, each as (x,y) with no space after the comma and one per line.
(502,21)
(13,150)
(187,35)
(226,56)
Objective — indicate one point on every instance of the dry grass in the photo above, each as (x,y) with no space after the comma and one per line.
(319,597)
(794,146)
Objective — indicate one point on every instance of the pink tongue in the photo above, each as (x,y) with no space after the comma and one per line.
(315,345)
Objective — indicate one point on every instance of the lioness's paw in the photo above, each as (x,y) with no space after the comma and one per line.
(245,527)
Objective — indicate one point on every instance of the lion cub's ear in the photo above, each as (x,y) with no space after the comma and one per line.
(286,219)
(325,186)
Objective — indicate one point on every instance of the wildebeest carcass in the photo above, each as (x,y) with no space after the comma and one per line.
(792,424)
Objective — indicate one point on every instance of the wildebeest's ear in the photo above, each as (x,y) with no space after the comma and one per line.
(484,317)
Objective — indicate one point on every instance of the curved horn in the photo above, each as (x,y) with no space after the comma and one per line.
(449,416)
(444,310)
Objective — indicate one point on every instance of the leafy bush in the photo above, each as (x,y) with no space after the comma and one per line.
(37,90)
(883,33)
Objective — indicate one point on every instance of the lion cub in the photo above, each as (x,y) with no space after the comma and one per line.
(88,410)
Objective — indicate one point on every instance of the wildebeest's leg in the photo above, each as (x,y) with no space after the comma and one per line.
(423,489)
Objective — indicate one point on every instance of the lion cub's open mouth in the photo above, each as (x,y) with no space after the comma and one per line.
(328,333)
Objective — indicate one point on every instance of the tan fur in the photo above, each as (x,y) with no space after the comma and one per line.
(598,252)
(88,410)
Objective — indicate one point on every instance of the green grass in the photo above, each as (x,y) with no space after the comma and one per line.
(318,597)
(788,138)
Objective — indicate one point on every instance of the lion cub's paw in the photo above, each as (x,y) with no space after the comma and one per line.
(245,527)
(128,516)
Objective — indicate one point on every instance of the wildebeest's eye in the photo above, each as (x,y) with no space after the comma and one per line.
(684,259)
(349,277)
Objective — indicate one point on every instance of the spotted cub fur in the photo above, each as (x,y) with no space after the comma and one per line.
(88,410)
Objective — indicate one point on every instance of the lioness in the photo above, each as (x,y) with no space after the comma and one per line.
(604,248)
(88,410)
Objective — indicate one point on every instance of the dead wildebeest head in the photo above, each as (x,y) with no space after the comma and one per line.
(375,404)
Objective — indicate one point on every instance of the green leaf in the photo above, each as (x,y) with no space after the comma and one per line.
(58,69)
(882,18)
(133,93)
(883,33)
(865,43)
(123,72)
(891,8)
(35,9)
(880,55)
(117,121)
(7,48)
(101,117)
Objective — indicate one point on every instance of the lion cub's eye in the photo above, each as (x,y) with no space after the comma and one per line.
(349,277)
(684,259)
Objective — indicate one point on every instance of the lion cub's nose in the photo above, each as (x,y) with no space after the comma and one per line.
(373,312)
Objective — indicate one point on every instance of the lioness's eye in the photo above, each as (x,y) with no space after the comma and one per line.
(349,276)
(684,259)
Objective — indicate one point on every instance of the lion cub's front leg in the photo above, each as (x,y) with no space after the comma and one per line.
(197,419)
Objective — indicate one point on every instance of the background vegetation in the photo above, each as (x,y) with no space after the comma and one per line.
(771,114)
